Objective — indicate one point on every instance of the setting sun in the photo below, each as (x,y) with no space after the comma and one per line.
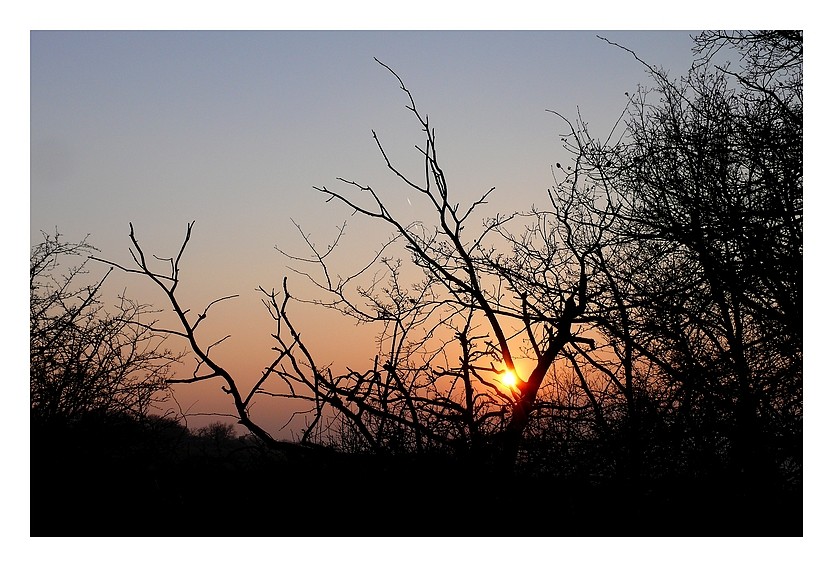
(509,378)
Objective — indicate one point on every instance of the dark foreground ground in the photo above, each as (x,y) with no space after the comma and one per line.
(118,484)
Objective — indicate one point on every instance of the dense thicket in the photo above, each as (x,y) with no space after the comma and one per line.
(702,290)
(87,357)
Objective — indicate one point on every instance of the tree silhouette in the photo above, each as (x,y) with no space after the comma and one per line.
(85,359)
(479,284)
(707,183)
(656,298)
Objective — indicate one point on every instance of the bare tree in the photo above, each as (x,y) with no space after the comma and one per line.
(482,286)
(706,182)
(656,298)
(447,341)
(86,359)
(165,274)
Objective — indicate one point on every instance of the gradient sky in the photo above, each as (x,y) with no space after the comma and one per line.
(232,129)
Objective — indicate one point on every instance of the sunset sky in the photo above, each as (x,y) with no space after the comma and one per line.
(232,129)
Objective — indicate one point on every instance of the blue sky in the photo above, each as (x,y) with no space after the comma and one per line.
(234,128)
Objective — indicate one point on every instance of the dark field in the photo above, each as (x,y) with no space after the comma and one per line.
(122,479)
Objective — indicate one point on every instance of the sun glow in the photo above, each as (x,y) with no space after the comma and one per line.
(509,378)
